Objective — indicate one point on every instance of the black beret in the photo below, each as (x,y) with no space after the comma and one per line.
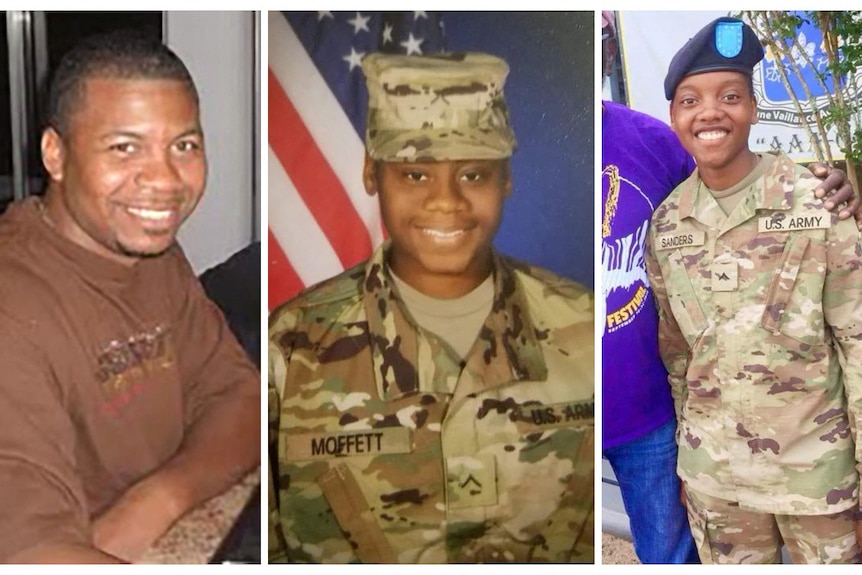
(723,44)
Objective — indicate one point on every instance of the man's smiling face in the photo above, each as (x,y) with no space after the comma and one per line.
(130,167)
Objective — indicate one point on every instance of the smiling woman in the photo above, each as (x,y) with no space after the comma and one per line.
(443,217)
(759,326)
(713,114)
(434,403)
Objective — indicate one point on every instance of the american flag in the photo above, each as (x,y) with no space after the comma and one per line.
(321,221)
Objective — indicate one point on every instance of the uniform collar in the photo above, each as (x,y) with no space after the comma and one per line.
(506,351)
(773,191)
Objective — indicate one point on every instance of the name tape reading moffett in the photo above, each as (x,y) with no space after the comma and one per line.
(324,445)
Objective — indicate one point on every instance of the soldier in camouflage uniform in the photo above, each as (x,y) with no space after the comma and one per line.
(404,440)
(759,289)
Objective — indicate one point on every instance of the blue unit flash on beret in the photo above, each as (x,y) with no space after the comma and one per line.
(728,39)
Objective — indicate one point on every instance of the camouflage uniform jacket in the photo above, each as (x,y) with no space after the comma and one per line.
(390,449)
(760,327)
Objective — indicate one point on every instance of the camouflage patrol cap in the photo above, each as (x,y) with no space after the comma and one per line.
(437,107)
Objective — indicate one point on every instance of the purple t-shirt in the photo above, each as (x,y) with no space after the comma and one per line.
(643,162)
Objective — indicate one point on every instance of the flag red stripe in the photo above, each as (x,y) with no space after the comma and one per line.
(319,187)
(283,281)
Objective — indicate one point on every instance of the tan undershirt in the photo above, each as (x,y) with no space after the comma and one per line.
(455,321)
(727,199)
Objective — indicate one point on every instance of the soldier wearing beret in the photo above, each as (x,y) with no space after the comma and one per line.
(435,403)
(759,290)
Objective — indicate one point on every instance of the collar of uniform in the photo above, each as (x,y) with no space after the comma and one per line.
(688,195)
(706,209)
(775,194)
(506,349)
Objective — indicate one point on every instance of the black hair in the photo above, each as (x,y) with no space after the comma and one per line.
(122,54)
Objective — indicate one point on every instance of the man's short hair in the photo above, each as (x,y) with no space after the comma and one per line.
(122,54)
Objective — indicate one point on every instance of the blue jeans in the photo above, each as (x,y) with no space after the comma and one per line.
(646,471)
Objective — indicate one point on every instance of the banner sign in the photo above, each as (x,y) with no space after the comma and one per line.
(649,40)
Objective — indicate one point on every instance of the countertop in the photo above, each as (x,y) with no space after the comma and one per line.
(197,535)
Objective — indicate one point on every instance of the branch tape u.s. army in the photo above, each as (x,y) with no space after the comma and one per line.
(570,414)
(781,222)
(322,445)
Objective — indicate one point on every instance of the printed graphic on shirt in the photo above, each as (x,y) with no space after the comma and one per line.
(125,366)
(625,287)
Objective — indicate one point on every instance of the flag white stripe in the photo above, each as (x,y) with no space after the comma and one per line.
(324,118)
(296,230)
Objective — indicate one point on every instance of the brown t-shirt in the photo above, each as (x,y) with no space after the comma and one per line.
(102,368)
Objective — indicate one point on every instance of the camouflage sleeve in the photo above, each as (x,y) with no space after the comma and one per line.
(673,347)
(842,308)
(281,322)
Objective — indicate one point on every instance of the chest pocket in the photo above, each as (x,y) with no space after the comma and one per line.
(559,431)
(684,299)
(794,306)
(550,474)
(350,490)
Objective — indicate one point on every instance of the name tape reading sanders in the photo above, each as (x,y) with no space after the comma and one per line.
(349,443)
(680,240)
(784,223)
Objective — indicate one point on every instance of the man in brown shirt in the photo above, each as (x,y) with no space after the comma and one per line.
(126,400)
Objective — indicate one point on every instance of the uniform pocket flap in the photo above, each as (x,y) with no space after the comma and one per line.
(683,300)
(781,285)
(354,515)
